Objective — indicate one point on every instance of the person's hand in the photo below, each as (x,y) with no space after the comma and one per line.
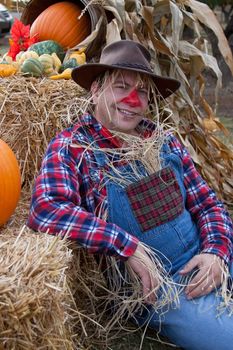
(208,277)
(142,265)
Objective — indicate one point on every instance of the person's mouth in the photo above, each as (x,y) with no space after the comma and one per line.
(127,113)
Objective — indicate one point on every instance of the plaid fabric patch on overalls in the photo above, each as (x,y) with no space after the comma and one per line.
(156,199)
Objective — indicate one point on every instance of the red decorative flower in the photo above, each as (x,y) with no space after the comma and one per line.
(20,38)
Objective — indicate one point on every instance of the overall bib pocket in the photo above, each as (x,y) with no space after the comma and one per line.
(156,199)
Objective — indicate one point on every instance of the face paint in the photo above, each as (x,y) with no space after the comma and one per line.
(132,99)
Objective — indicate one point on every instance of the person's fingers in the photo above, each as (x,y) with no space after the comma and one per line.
(203,283)
(191,265)
(145,272)
(200,290)
(146,285)
(207,274)
(195,282)
(152,294)
(148,288)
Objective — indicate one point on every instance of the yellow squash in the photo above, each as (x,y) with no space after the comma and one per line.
(80,57)
(66,74)
(7,69)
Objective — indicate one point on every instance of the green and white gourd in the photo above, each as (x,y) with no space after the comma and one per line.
(48,47)
(32,67)
(48,64)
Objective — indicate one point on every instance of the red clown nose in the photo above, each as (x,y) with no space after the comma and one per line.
(132,99)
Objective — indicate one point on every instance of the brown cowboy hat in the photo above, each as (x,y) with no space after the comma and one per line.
(123,54)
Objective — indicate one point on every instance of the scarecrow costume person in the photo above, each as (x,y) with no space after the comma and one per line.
(123,186)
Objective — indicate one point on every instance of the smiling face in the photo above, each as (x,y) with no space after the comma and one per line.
(121,102)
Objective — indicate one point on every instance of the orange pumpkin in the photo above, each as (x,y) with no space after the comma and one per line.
(10,183)
(60,22)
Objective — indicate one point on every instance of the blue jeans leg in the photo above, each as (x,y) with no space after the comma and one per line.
(196,325)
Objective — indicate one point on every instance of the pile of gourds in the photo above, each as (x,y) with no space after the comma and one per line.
(45,58)
(59,28)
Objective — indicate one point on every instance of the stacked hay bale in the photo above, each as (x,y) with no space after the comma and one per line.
(47,286)
(33,294)
(33,111)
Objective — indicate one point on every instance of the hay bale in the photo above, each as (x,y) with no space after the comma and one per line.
(45,302)
(51,290)
(33,110)
(34,296)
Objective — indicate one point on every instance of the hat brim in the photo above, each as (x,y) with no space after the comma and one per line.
(85,75)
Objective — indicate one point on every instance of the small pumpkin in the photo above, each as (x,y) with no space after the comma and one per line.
(49,47)
(10,182)
(7,69)
(51,63)
(76,59)
(56,61)
(80,57)
(70,63)
(47,63)
(7,59)
(20,58)
(33,67)
(19,55)
(62,22)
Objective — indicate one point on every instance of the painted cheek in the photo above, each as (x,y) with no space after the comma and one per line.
(132,99)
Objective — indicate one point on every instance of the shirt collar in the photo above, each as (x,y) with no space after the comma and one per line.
(89,120)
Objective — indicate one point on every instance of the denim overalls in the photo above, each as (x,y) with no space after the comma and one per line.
(193,324)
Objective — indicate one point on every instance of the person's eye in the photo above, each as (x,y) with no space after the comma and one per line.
(120,86)
(143,91)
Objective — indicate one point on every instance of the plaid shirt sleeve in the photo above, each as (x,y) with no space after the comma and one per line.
(56,205)
(213,221)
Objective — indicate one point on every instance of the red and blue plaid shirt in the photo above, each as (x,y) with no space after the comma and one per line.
(67,196)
